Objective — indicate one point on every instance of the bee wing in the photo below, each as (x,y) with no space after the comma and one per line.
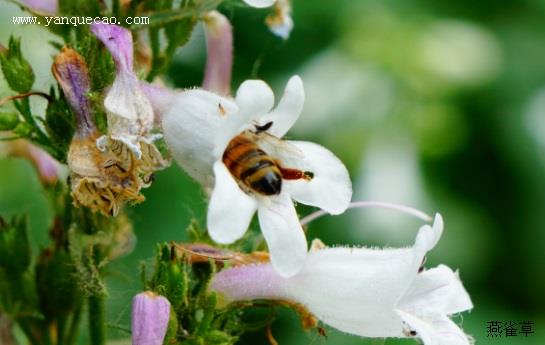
(277,147)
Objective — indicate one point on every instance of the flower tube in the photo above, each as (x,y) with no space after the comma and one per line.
(368,292)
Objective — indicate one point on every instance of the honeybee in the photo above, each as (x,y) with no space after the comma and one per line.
(253,168)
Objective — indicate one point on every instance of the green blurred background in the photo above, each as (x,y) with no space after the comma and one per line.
(438,105)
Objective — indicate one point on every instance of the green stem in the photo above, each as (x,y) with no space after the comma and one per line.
(115,8)
(30,332)
(74,326)
(61,329)
(27,114)
(156,54)
(97,324)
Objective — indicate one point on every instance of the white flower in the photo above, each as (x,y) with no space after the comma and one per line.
(260,3)
(368,292)
(198,128)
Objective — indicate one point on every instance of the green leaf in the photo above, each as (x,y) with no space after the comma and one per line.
(162,18)
(59,124)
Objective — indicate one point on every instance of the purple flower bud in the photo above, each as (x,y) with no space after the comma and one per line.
(219,43)
(149,319)
(71,73)
(48,168)
(42,6)
(160,98)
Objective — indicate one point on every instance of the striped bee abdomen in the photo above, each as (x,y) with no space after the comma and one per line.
(252,167)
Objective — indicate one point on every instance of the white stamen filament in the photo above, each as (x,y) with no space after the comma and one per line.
(373,204)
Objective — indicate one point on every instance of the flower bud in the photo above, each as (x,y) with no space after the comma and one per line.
(17,71)
(8,121)
(280,22)
(149,318)
(47,167)
(46,7)
(70,71)
(219,61)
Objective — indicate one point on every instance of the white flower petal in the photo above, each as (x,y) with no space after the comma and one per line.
(373,280)
(282,29)
(284,235)
(436,329)
(191,126)
(128,109)
(230,209)
(329,189)
(254,99)
(355,289)
(428,236)
(288,109)
(260,3)
(436,290)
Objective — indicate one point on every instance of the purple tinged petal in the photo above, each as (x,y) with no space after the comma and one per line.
(118,41)
(159,97)
(250,282)
(47,167)
(42,6)
(149,318)
(71,73)
(219,43)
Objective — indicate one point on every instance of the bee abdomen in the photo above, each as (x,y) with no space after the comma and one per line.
(263,176)
(269,183)
(252,167)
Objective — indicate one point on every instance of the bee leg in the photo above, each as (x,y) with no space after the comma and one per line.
(295,174)
(265,127)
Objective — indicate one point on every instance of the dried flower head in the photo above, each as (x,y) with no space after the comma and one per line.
(100,180)
(129,112)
